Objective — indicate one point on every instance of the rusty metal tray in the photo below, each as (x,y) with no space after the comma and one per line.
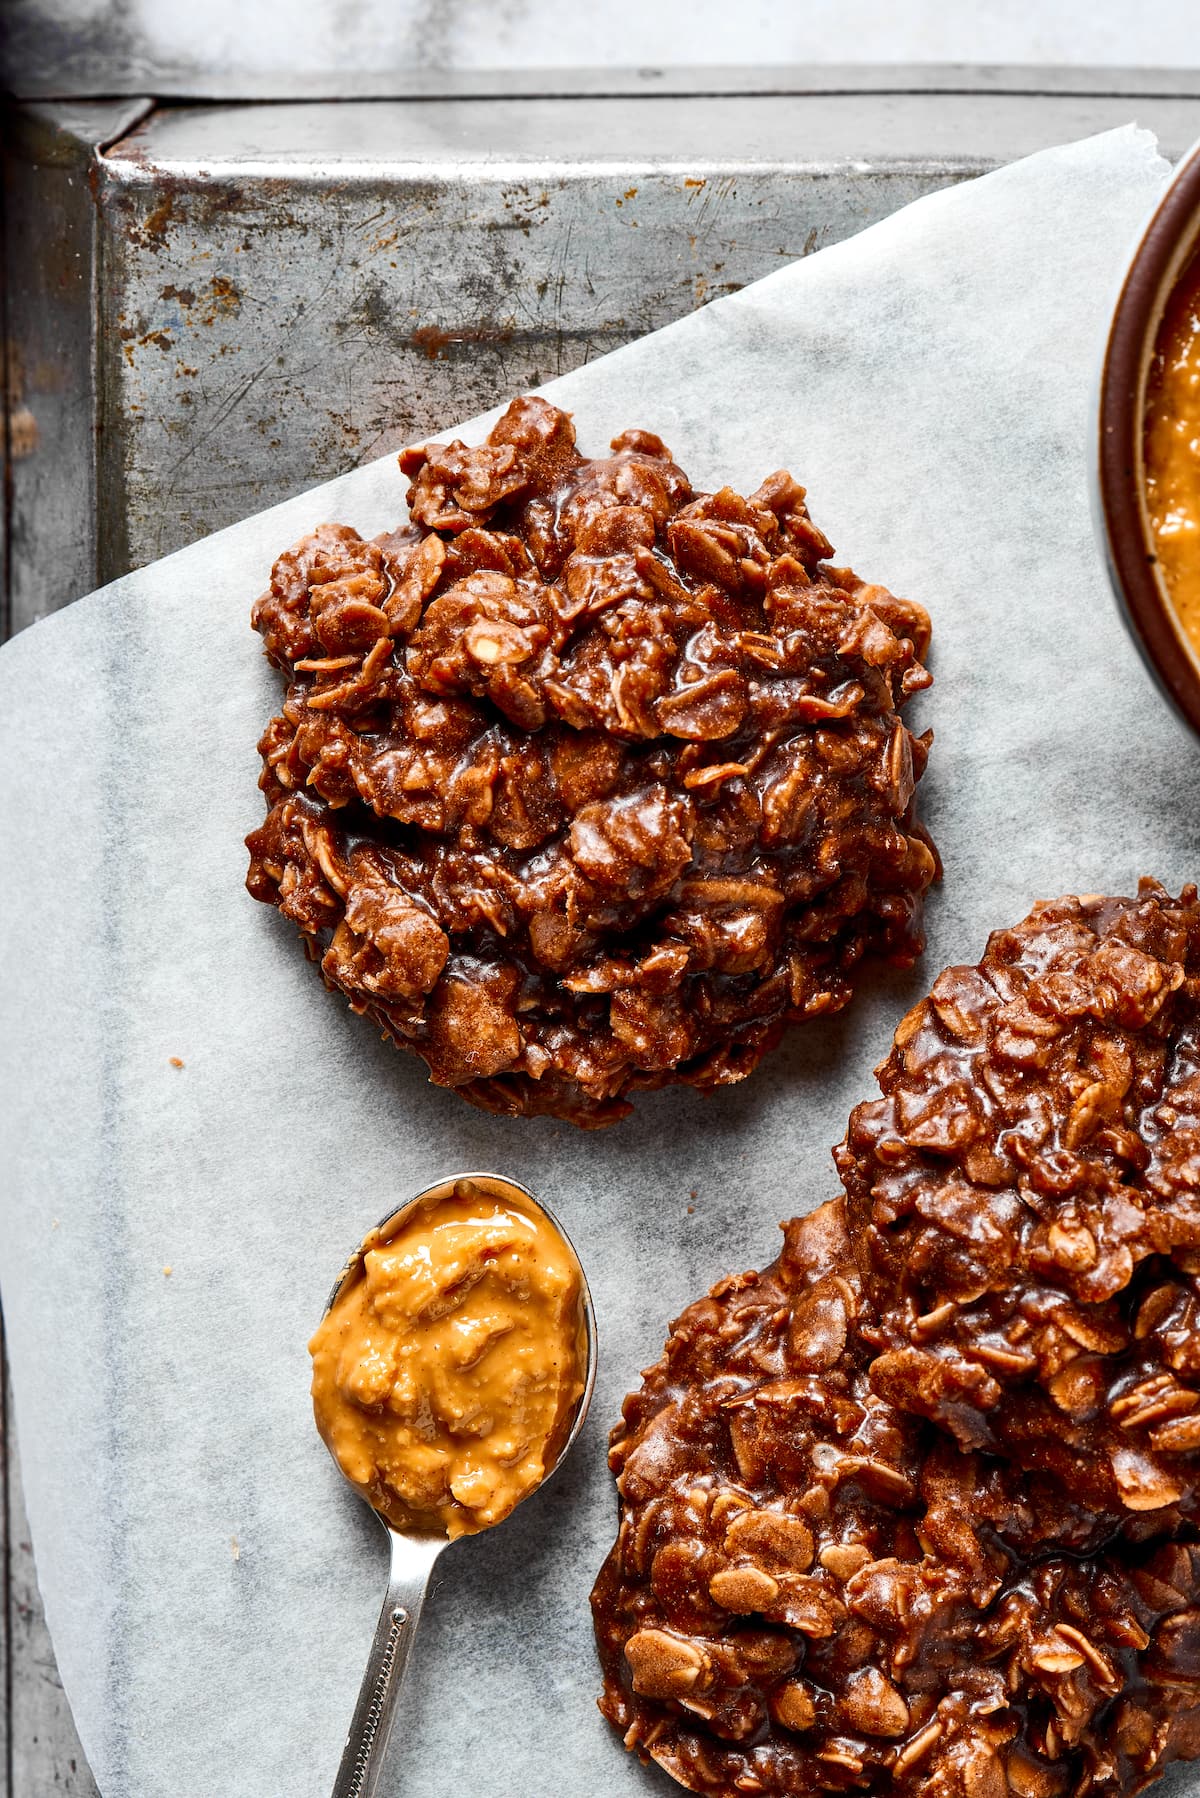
(212,306)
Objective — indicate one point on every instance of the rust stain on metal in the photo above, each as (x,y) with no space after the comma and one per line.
(226,296)
(131,341)
(152,232)
(694,181)
(435,341)
(223,297)
(176,202)
(342,424)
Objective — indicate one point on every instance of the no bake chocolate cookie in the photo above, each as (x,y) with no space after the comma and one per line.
(586,782)
(1026,1200)
(814,1591)
(915,1509)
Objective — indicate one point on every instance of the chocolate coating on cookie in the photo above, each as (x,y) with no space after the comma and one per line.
(813,1591)
(586,782)
(1025,1198)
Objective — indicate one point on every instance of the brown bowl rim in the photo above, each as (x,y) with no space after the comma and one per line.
(1167,244)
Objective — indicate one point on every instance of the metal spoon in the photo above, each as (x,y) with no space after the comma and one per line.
(413,1554)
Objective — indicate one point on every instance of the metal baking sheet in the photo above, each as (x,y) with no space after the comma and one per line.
(213,306)
(930,382)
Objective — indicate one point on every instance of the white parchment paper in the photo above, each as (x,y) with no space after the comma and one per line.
(210,1584)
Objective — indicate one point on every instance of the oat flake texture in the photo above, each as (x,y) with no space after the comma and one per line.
(586,782)
(915,1510)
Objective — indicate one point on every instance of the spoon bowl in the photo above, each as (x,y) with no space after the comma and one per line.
(415,1551)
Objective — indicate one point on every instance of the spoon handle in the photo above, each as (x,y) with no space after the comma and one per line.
(413,1559)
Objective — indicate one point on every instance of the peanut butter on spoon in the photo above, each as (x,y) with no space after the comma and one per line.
(451,1373)
(446,1376)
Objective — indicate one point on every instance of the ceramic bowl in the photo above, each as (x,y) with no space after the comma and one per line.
(1170,240)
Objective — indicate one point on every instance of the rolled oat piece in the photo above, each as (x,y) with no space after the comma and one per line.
(1025,1199)
(586,782)
(813,1591)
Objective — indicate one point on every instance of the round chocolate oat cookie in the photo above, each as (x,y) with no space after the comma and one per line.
(812,1591)
(1025,1200)
(586,782)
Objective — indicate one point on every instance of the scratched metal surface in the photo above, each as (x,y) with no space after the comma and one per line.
(280,292)
(211,307)
(342,280)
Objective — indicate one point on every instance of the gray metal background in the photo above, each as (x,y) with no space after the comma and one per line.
(226,47)
(211,306)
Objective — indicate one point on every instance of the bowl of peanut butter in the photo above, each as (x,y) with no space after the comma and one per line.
(1147,485)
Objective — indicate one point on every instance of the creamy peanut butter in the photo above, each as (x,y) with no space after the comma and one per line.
(1172,447)
(447,1372)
